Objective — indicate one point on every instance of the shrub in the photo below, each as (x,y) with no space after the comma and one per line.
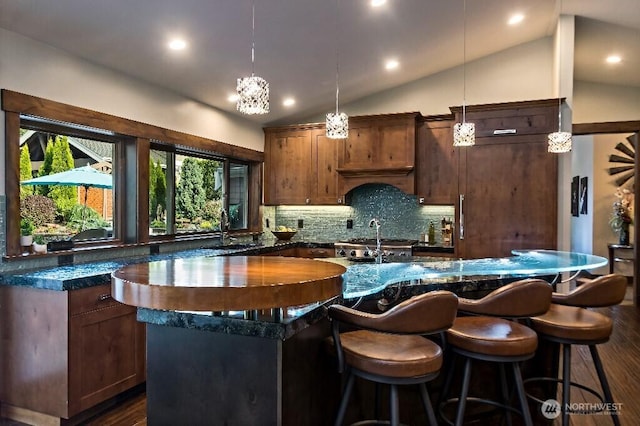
(92,218)
(38,209)
(211,211)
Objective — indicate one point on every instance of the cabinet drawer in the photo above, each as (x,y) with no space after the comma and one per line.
(90,298)
(315,252)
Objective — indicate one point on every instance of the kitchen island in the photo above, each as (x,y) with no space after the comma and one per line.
(240,364)
(245,378)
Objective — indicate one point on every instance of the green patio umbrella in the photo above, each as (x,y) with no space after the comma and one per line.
(85,176)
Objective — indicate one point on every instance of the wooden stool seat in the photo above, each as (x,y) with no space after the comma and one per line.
(575,324)
(391,355)
(492,336)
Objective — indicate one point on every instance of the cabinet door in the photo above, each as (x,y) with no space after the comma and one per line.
(359,147)
(324,175)
(436,163)
(106,349)
(287,167)
(510,197)
(396,146)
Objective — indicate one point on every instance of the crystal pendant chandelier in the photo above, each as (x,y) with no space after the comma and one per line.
(253,92)
(337,125)
(559,142)
(464,134)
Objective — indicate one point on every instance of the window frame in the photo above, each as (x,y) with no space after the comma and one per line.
(132,168)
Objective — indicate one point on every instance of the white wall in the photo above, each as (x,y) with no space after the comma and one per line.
(521,73)
(596,103)
(582,166)
(37,69)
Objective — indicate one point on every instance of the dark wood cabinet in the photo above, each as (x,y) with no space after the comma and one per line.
(379,149)
(314,252)
(436,161)
(287,164)
(508,181)
(64,352)
(300,166)
(303,166)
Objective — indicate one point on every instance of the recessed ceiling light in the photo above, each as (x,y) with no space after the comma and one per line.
(233,97)
(391,64)
(614,59)
(516,19)
(288,102)
(177,44)
(377,3)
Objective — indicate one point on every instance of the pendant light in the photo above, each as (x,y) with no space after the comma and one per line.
(559,142)
(337,125)
(253,92)
(464,134)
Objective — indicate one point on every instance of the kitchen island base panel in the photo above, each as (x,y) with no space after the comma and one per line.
(203,376)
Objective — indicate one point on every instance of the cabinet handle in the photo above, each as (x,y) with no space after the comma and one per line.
(461,216)
(307,201)
(505,132)
(104,297)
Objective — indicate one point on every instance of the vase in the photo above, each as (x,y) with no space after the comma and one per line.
(624,234)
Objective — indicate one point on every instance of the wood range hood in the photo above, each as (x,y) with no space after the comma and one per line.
(380,149)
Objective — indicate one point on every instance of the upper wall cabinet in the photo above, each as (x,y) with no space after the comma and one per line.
(437,161)
(303,166)
(300,166)
(379,149)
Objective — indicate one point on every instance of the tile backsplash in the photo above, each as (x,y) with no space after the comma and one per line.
(400,215)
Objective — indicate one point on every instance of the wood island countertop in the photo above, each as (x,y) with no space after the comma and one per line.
(234,283)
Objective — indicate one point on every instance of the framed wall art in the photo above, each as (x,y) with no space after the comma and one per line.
(575,188)
(584,190)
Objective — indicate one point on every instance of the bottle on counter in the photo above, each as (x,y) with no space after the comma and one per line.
(431,234)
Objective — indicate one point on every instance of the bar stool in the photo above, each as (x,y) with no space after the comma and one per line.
(389,348)
(568,323)
(488,333)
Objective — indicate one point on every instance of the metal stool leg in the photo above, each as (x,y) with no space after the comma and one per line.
(517,375)
(603,382)
(463,394)
(345,400)
(506,400)
(395,415)
(566,383)
(426,401)
(449,363)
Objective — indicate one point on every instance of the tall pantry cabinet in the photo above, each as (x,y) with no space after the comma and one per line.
(508,182)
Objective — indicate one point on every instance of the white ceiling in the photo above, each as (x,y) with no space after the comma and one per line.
(295,42)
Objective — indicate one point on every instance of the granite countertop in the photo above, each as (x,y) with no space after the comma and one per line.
(393,281)
(77,276)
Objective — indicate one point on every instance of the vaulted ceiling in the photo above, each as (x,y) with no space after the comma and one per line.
(297,42)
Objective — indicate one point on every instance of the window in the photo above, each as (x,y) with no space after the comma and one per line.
(132,208)
(188,191)
(66,183)
(238,196)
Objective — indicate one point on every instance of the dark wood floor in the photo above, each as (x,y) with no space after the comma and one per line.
(621,357)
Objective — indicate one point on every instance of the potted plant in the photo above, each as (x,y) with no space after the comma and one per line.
(39,244)
(26,232)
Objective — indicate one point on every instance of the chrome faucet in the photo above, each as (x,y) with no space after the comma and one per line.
(224,224)
(378,253)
